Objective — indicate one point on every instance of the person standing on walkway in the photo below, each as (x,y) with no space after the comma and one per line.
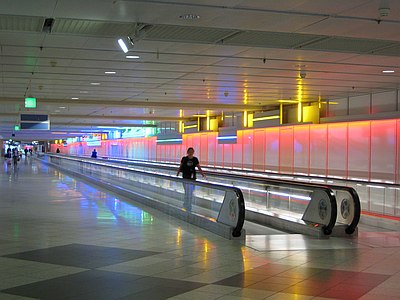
(188,166)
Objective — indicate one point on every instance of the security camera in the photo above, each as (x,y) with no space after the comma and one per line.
(303,74)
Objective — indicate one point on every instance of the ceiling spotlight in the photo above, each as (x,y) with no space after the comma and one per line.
(110,72)
(126,43)
(138,32)
(388,71)
(132,56)
(123,45)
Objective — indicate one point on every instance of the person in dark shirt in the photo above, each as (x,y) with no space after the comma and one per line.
(189,164)
(188,168)
(94,154)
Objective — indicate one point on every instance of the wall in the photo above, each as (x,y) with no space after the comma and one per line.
(367,150)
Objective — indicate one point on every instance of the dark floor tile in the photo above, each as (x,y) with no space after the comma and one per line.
(242,279)
(368,279)
(83,256)
(270,269)
(97,284)
(346,291)
(159,293)
(305,290)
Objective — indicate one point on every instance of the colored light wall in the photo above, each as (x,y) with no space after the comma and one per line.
(368,150)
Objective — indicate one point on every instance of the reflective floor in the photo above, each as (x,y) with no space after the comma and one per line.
(61,238)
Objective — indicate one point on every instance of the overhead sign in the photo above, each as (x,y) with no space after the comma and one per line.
(34,122)
(30,102)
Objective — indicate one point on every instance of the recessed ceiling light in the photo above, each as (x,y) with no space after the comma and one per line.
(57,111)
(74,98)
(189,17)
(388,71)
(110,72)
(62,107)
(83,92)
(132,56)
(95,83)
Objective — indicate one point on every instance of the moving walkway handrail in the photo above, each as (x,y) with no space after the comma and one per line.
(326,228)
(214,171)
(236,229)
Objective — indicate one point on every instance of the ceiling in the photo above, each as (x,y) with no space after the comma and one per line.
(236,55)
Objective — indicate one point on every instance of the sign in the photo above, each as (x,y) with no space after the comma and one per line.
(30,102)
(34,122)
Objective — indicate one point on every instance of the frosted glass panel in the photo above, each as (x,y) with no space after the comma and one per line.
(272,149)
(301,136)
(383,150)
(318,149)
(359,105)
(286,150)
(228,156)
(358,153)
(203,153)
(339,108)
(212,140)
(238,151)
(337,150)
(219,155)
(384,102)
(259,150)
(247,140)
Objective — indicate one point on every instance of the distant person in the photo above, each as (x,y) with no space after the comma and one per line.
(15,156)
(58,150)
(26,152)
(94,153)
(188,168)
(30,151)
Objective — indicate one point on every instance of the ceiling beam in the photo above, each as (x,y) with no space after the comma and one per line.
(97,117)
(141,104)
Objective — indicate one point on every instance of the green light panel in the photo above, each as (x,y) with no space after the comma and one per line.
(30,102)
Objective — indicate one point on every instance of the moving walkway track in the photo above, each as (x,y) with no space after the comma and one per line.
(289,206)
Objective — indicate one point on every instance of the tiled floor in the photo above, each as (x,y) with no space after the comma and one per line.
(63,239)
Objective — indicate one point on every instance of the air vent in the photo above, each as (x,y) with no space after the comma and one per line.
(351,45)
(94,28)
(48,25)
(187,34)
(271,39)
(21,23)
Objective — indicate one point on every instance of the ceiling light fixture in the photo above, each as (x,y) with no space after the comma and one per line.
(123,45)
(138,32)
(83,92)
(75,98)
(95,83)
(110,72)
(388,71)
(132,56)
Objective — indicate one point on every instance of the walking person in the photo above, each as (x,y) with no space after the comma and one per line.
(188,166)
(15,156)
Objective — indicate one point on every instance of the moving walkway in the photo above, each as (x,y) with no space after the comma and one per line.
(290,206)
